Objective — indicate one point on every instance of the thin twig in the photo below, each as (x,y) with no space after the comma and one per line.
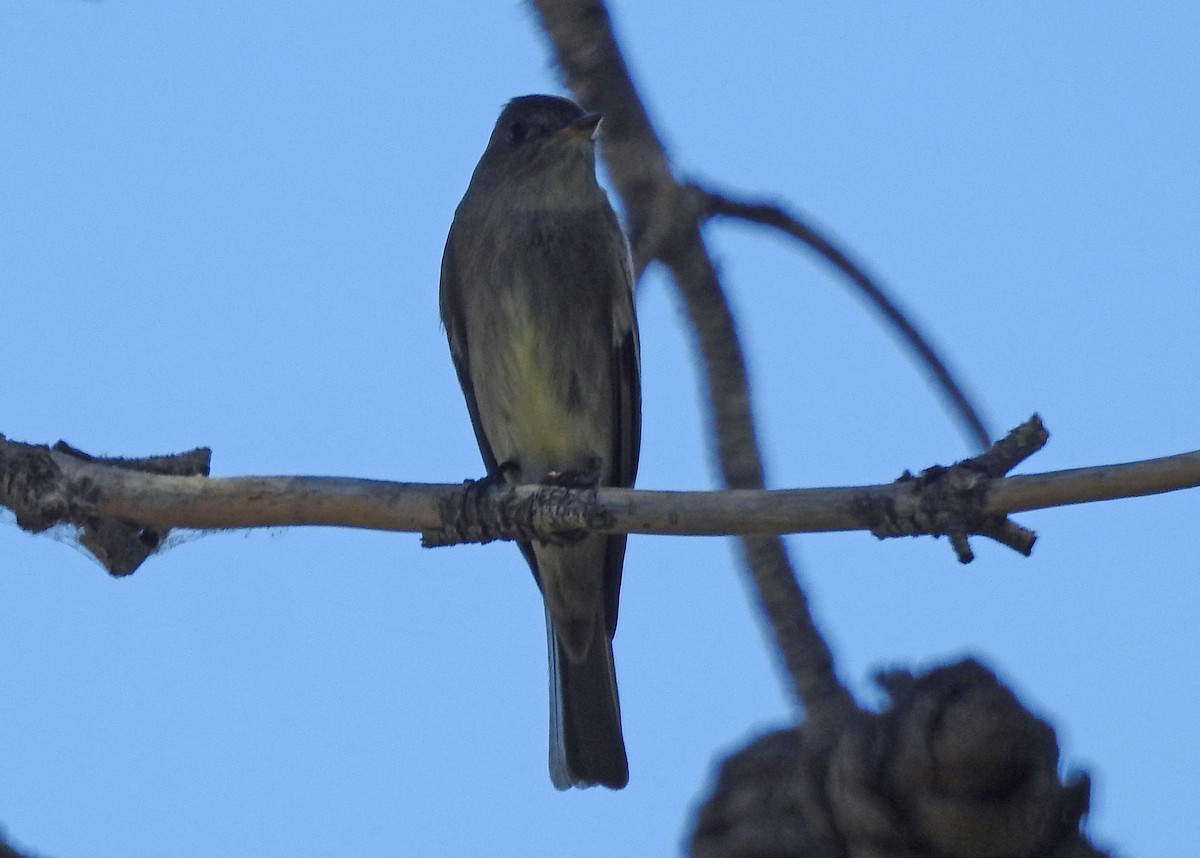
(776,217)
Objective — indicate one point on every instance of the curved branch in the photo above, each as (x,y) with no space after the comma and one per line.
(769,214)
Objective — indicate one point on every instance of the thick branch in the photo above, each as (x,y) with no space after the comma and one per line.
(954,765)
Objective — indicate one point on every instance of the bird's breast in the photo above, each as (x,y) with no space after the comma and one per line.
(543,386)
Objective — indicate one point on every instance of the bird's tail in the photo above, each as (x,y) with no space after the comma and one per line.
(586,746)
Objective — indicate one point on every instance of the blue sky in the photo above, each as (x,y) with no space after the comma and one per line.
(221,224)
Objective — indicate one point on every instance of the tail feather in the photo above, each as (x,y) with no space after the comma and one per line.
(586,746)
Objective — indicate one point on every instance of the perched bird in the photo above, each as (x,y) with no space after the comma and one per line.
(537,301)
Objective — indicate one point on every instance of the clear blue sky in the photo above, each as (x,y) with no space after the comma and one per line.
(221,224)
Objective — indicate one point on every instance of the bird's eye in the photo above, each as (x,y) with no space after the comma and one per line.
(517,132)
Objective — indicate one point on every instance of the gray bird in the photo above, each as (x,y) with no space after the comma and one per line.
(537,301)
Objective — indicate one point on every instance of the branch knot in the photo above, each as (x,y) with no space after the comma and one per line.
(486,510)
(953,765)
(951,501)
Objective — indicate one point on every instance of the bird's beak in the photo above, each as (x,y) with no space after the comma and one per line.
(585,126)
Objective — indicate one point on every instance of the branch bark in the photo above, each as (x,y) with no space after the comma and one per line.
(954,765)
(47,486)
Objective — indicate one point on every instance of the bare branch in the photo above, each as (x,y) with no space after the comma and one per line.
(774,216)
(1103,482)
(44,487)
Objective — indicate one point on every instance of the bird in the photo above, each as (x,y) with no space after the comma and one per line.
(536,297)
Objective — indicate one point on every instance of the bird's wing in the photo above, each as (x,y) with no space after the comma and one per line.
(627,421)
(450,301)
